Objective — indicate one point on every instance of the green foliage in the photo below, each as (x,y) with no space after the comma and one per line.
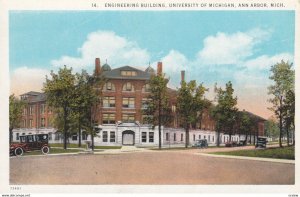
(225,112)
(275,153)
(271,128)
(158,110)
(60,93)
(244,122)
(75,98)
(283,95)
(190,104)
(16,107)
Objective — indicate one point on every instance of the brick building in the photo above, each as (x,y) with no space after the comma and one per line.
(120,117)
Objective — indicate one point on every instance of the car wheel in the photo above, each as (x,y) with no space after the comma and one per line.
(19,151)
(45,150)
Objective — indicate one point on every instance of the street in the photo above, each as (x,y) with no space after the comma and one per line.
(154,167)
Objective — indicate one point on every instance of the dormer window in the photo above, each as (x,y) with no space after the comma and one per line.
(128,87)
(128,73)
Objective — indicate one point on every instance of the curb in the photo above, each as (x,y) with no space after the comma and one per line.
(286,161)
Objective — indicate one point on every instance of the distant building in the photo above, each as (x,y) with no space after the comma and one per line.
(120,116)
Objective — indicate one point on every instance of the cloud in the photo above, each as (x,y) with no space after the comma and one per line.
(224,48)
(173,63)
(107,45)
(265,62)
(26,79)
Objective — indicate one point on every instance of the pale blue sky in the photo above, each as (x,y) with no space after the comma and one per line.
(212,46)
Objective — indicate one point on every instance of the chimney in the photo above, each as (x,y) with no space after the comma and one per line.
(159,68)
(182,75)
(97,66)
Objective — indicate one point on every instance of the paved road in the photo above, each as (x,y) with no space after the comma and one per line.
(156,167)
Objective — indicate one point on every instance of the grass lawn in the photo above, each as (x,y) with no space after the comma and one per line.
(276,153)
(54,151)
(84,146)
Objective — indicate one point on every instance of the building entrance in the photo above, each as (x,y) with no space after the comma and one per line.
(128,137)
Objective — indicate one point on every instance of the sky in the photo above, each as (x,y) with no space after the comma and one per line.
(211,46)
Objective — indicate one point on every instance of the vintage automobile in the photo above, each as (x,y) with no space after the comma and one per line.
(30,143)
(261,142)
(231,144)
(201,143)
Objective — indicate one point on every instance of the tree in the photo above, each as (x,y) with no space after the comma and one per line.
(158,110)
(244,123)
(16,107)
(225,112)
(59,92)
(283,77)
(93,103)
(271,128)
(85,97)
(289,115)
(190,105)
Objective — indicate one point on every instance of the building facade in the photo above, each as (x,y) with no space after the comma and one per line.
(120,118)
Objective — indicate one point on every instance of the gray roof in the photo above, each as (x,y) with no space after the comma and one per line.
(106,67)
(116,73)
(35,96)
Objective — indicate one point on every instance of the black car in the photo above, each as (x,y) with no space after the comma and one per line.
(201,143)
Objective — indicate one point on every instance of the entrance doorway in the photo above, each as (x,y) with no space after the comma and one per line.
(128,137)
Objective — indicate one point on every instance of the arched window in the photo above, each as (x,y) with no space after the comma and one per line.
(146,88)
(109,86)
(128,87)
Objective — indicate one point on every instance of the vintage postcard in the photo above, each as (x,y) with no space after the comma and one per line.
(149,96)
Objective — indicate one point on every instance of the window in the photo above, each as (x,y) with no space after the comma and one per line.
(199,137)
(17,136)
(173,108)
(151,136)
(108,86)
(50,136)
(146,119)
(109,101)
(42,122)
(144,137)
(24,123)
(43,107)
(145,102)
(104,136)
(23,139)
(209,138)
(128,73)
(128,87)
(128,102)
(174,137)
(30,138)
(213,138)
(181,137)
(146,88)
(128,118)
(167,137)
(30,123)
(204,136)
(74,137)
(109,119)
(31,109)
(194,137)
(112,136)
(84,136)
(24,111)
(49,110)
(57,136)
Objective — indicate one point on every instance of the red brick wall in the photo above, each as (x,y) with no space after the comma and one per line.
(119,94)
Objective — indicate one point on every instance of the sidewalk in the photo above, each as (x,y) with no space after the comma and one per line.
(288,161)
